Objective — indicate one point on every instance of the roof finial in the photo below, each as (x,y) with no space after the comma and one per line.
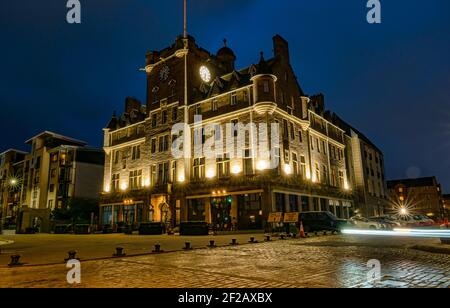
(225,42)
(262,56)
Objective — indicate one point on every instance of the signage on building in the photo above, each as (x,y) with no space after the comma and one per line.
(291,217)
(275,217)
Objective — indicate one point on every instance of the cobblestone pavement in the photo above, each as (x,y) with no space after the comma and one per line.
(335,261)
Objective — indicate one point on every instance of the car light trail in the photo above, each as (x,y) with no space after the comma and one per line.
(445,231)
(403,233)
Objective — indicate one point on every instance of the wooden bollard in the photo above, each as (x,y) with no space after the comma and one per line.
(119,252)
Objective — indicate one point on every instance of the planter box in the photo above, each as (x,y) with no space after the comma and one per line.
(151,228)
(194,228)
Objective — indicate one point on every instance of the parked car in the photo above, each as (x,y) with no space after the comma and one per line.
(386,222)
(321,221)
(423,221)
(364,223)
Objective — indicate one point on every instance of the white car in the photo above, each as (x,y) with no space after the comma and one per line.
(364,223)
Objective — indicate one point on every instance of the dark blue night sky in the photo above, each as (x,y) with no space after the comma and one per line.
(391,81)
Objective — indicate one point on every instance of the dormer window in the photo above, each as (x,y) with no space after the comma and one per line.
(266,86)
(233,99)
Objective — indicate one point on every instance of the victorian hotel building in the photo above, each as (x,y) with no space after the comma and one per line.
(145,182)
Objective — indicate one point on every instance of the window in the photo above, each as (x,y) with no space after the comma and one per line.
(116,157)
(318,145)
(164,143)
(174,114)
(285,129)
(233,99)
(324,147)
(287,157)
(223,166)
(300,137)
(164,117)
(174,171)
(54,157)
(154,120)
(311,141)
(217,133)
(325,174)
(153,175)
(136,152)
(317,172)
(53,173)
(163,173)
(135,179)
(341,179)
(52,188)
(295,163)
(115,182)
(303,166)
(214,105)
(235,127)
(248,163)
(266,86)
(333,178)
(292,131)
(153,146)
(199,168)
(245,94)
(50,204)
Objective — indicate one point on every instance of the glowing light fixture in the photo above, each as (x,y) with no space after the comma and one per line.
(181,179)
(287,169)
(107,189)
(205,74)
(123,187)
(210,174)
(147,183)
(236,169)
(262,165)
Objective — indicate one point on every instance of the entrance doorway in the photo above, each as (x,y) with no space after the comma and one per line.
(221,213)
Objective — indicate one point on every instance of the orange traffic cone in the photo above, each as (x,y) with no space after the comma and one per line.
(302,231)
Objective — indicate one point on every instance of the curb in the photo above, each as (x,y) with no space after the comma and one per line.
(433,249)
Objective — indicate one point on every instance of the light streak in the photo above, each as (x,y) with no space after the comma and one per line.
(403,233)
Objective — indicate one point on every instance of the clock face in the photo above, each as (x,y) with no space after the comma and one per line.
(205,74)
(164,73)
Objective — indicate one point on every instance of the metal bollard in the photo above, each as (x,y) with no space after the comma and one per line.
(212,244)
(119,252)
(252,240)
(294,235)
(325,233)
(268,238)
(157,249)
(234,242)
(15,261)
(187,246)
(72,256)
(282,237)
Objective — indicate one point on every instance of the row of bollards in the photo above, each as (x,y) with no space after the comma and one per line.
(120,251)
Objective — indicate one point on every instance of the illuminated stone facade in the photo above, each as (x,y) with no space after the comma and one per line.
(143,182)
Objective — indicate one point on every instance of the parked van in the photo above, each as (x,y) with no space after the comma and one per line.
(321,221)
